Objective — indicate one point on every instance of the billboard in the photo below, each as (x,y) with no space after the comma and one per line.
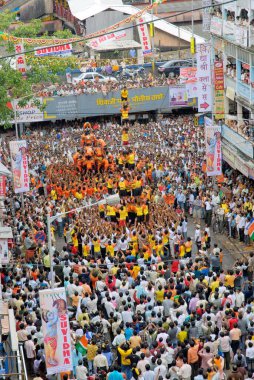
(56,330)
(19,164)
(28,113)
(213,150)
(219,107)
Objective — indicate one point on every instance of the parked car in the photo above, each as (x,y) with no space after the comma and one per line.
(91,77)
(130,73)
(172,68)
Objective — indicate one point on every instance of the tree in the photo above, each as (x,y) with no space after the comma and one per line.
(41,70)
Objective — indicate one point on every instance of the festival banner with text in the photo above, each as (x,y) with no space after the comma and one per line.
(19,163)
(56,330)
(213,150)
(219,108)
(203,56)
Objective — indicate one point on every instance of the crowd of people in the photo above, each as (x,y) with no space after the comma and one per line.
(93,87)
(145,279)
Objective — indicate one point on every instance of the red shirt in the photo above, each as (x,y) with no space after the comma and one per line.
(231,322)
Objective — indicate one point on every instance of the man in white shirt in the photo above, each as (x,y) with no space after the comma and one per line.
(100,362)
(30,353)
(185,371)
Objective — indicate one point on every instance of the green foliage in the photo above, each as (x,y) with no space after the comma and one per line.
(28,30)
(66,33)
(6,18)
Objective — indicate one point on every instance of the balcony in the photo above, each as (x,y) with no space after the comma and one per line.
(229,30)
(243,90)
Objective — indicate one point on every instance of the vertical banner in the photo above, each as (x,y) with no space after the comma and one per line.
(213,150)
(144,37)
(19,163)
(2,185)
(204,77)
(4,251)
(56,330)
(20,58)
(206,24)
(219,108)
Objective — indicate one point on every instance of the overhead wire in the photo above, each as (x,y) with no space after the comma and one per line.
(128,27)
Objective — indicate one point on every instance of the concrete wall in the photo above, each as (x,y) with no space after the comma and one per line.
(36,9)
(105,19)
(166,41)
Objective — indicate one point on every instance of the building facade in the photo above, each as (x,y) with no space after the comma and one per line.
(232,31)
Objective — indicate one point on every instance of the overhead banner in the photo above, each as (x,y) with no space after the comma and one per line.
(60,51)
(206,4)
(213,150)
(56,330)
(219,106)
(96,42)
(19,163)
(203,57)
(144,36)
(178,96)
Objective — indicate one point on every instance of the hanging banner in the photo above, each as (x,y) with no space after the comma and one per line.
(20,58)
(60,51)
(216,25)
(178,96)
(2,185)
(213,150)
(206,4)
(144,36)
(96,42)
(19,163)
(56,330)
(203,57)
(188,75)
(219,108)
(4,251)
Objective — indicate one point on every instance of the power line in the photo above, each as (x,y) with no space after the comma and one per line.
(129,27)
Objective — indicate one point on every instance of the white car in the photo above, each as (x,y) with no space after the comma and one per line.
(91,77)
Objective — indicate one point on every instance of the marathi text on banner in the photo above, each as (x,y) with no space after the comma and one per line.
(213,150)
(204,77)
(219,107)
(19,163)
(56,330)
(144,36)
(20,58)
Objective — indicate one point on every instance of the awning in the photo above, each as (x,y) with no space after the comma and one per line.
(118,45)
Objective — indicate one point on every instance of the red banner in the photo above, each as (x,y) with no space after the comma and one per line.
(2,185)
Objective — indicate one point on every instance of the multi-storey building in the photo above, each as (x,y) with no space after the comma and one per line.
(232,29)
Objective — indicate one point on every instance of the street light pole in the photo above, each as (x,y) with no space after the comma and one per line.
(192,27)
